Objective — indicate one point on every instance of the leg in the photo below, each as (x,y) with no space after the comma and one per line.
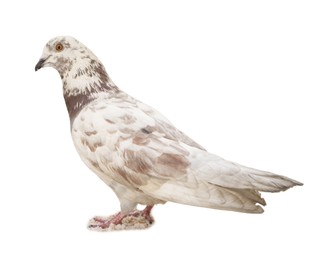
(147,213)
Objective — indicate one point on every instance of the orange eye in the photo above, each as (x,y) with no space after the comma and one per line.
(59,47)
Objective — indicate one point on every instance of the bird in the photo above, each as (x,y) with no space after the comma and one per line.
(139,153)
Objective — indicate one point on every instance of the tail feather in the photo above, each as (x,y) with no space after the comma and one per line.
(218,171)
(252,195)
(269,182)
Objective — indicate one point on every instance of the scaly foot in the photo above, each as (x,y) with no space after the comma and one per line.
(138,219)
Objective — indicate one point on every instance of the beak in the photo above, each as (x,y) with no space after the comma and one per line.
(39,64)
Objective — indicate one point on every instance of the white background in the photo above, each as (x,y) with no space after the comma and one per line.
(250,80)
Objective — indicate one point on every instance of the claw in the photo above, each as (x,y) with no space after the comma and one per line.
(116,221)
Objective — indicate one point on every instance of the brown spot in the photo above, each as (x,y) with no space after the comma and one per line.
(112,131)
(92,146)
(109,121)
(89,133)
(128,119)
(141,139)
(150,129)
(137,161)
(97,145)
(120,171)
(169,164)
(145,131)
(127,130)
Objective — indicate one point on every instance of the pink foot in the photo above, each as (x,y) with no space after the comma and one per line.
(133,220)
(105,223)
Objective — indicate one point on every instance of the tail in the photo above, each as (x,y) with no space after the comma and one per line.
(218,171)
(213,182)
(242,184)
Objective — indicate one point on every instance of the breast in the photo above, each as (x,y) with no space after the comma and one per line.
(90,138)
(97,132)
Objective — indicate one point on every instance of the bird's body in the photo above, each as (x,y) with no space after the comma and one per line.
(138,152)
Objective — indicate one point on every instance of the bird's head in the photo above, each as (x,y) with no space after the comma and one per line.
(61,53)
(80,70)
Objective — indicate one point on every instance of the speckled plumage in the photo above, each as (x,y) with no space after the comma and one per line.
(137,152)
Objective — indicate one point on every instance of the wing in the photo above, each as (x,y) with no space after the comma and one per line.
(177,172)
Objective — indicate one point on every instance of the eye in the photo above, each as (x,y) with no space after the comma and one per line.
(59,47)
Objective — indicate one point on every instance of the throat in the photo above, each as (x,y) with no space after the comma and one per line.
(77,100)
(75,103)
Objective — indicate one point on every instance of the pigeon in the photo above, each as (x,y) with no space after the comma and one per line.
(139,153)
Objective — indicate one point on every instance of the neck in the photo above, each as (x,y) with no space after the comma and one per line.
(84,85)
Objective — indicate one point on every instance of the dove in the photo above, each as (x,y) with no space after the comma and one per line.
(139,153)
